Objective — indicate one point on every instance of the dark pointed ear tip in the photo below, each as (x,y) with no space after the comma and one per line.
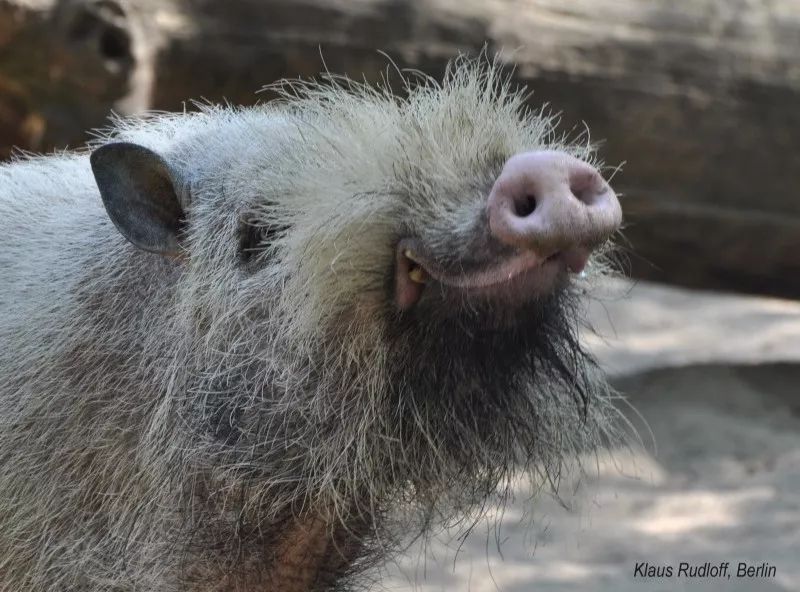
(114,151)
(101,153)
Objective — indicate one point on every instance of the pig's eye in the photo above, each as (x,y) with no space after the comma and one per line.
(253,238)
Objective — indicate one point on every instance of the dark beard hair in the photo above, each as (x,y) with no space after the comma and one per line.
(480,401)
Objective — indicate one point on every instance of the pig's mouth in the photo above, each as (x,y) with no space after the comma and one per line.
(515,279)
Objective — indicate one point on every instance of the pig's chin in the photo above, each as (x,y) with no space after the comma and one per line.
(476,402)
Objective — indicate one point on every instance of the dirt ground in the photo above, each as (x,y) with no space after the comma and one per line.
(717,379)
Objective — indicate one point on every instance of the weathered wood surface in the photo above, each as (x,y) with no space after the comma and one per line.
(701,99)
(63,66)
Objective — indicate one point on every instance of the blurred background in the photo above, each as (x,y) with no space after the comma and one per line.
(698,101)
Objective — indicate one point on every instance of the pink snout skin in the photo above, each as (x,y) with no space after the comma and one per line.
(550,202)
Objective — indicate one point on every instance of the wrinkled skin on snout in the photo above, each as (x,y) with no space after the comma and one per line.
(289,338)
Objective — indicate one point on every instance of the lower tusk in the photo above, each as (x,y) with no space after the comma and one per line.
(417,275)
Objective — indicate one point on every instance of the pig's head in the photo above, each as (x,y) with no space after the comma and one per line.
(381,291)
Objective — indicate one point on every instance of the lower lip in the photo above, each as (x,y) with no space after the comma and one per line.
(517,291)
(515,282)
(534,281)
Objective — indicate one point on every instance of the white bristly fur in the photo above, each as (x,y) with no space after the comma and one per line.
(159,416)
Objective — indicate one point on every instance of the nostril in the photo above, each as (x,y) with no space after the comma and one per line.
(525,206)
(588,187)
(586,196)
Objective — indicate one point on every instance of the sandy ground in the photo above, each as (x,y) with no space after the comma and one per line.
(717,379)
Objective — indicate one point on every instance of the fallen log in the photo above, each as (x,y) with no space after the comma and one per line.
(699,100)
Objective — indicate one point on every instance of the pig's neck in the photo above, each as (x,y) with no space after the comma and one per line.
(306,555)
(309,558)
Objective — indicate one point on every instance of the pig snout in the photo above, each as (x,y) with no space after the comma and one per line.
(550,202)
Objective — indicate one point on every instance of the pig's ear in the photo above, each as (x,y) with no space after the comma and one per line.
(139,195)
